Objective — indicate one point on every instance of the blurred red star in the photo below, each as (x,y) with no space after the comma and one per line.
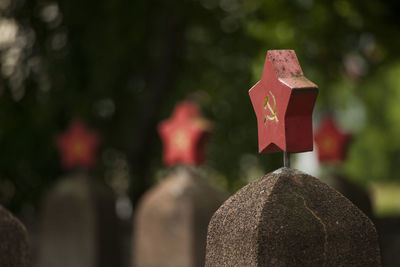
(331,143)
(283,101)
(78,146)
(184,135)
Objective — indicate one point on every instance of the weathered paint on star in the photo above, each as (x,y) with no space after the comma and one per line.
(331,143)
(184,135)
(283,101)
(78,146)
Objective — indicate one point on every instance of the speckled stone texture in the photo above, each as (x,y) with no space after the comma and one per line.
(352,191)
(78,226)
(171,222)
(14,247)
(289,218)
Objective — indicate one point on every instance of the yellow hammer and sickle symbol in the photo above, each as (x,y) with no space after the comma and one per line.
(273,116)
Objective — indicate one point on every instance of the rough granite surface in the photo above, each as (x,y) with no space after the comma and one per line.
(14,247)
(171,222)
(289,218)
(352,191)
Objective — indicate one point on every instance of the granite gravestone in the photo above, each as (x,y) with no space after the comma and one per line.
(171,221)
(14,246)
(332,147)
(288,218)
(389,235)
(78,226)
(352,191)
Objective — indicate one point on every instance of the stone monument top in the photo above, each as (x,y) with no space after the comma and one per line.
(288,218)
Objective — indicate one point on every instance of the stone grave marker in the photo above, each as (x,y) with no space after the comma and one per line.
(389,235)
(170,226)
(288,218)
(332,146)
(14,246)
(78,224)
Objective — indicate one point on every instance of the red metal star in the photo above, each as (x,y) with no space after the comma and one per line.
(184,135)
(78,146)
(332,143)
(283,101)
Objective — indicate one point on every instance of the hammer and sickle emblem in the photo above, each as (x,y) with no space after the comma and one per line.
(272,116)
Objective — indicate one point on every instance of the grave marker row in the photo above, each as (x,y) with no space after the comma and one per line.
(285,218)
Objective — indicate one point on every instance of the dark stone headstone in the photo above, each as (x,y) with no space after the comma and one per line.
(352,191)
(171,221)
(78,226)
(289,218)
(14,246)
(389,237)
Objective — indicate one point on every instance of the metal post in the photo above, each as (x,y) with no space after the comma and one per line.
(286,159)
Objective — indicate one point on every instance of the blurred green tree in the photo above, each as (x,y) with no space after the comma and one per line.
(122,65)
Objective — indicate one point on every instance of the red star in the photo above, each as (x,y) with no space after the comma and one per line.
(184,135)
(331,142)
(283,101)
(77,146)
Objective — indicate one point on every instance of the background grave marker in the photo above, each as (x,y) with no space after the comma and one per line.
(332,146)
(78,225)
(171,222)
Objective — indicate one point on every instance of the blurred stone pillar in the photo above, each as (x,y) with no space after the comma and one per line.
(171,222)
(78,226)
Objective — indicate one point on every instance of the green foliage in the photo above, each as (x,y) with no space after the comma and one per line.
(122,65)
